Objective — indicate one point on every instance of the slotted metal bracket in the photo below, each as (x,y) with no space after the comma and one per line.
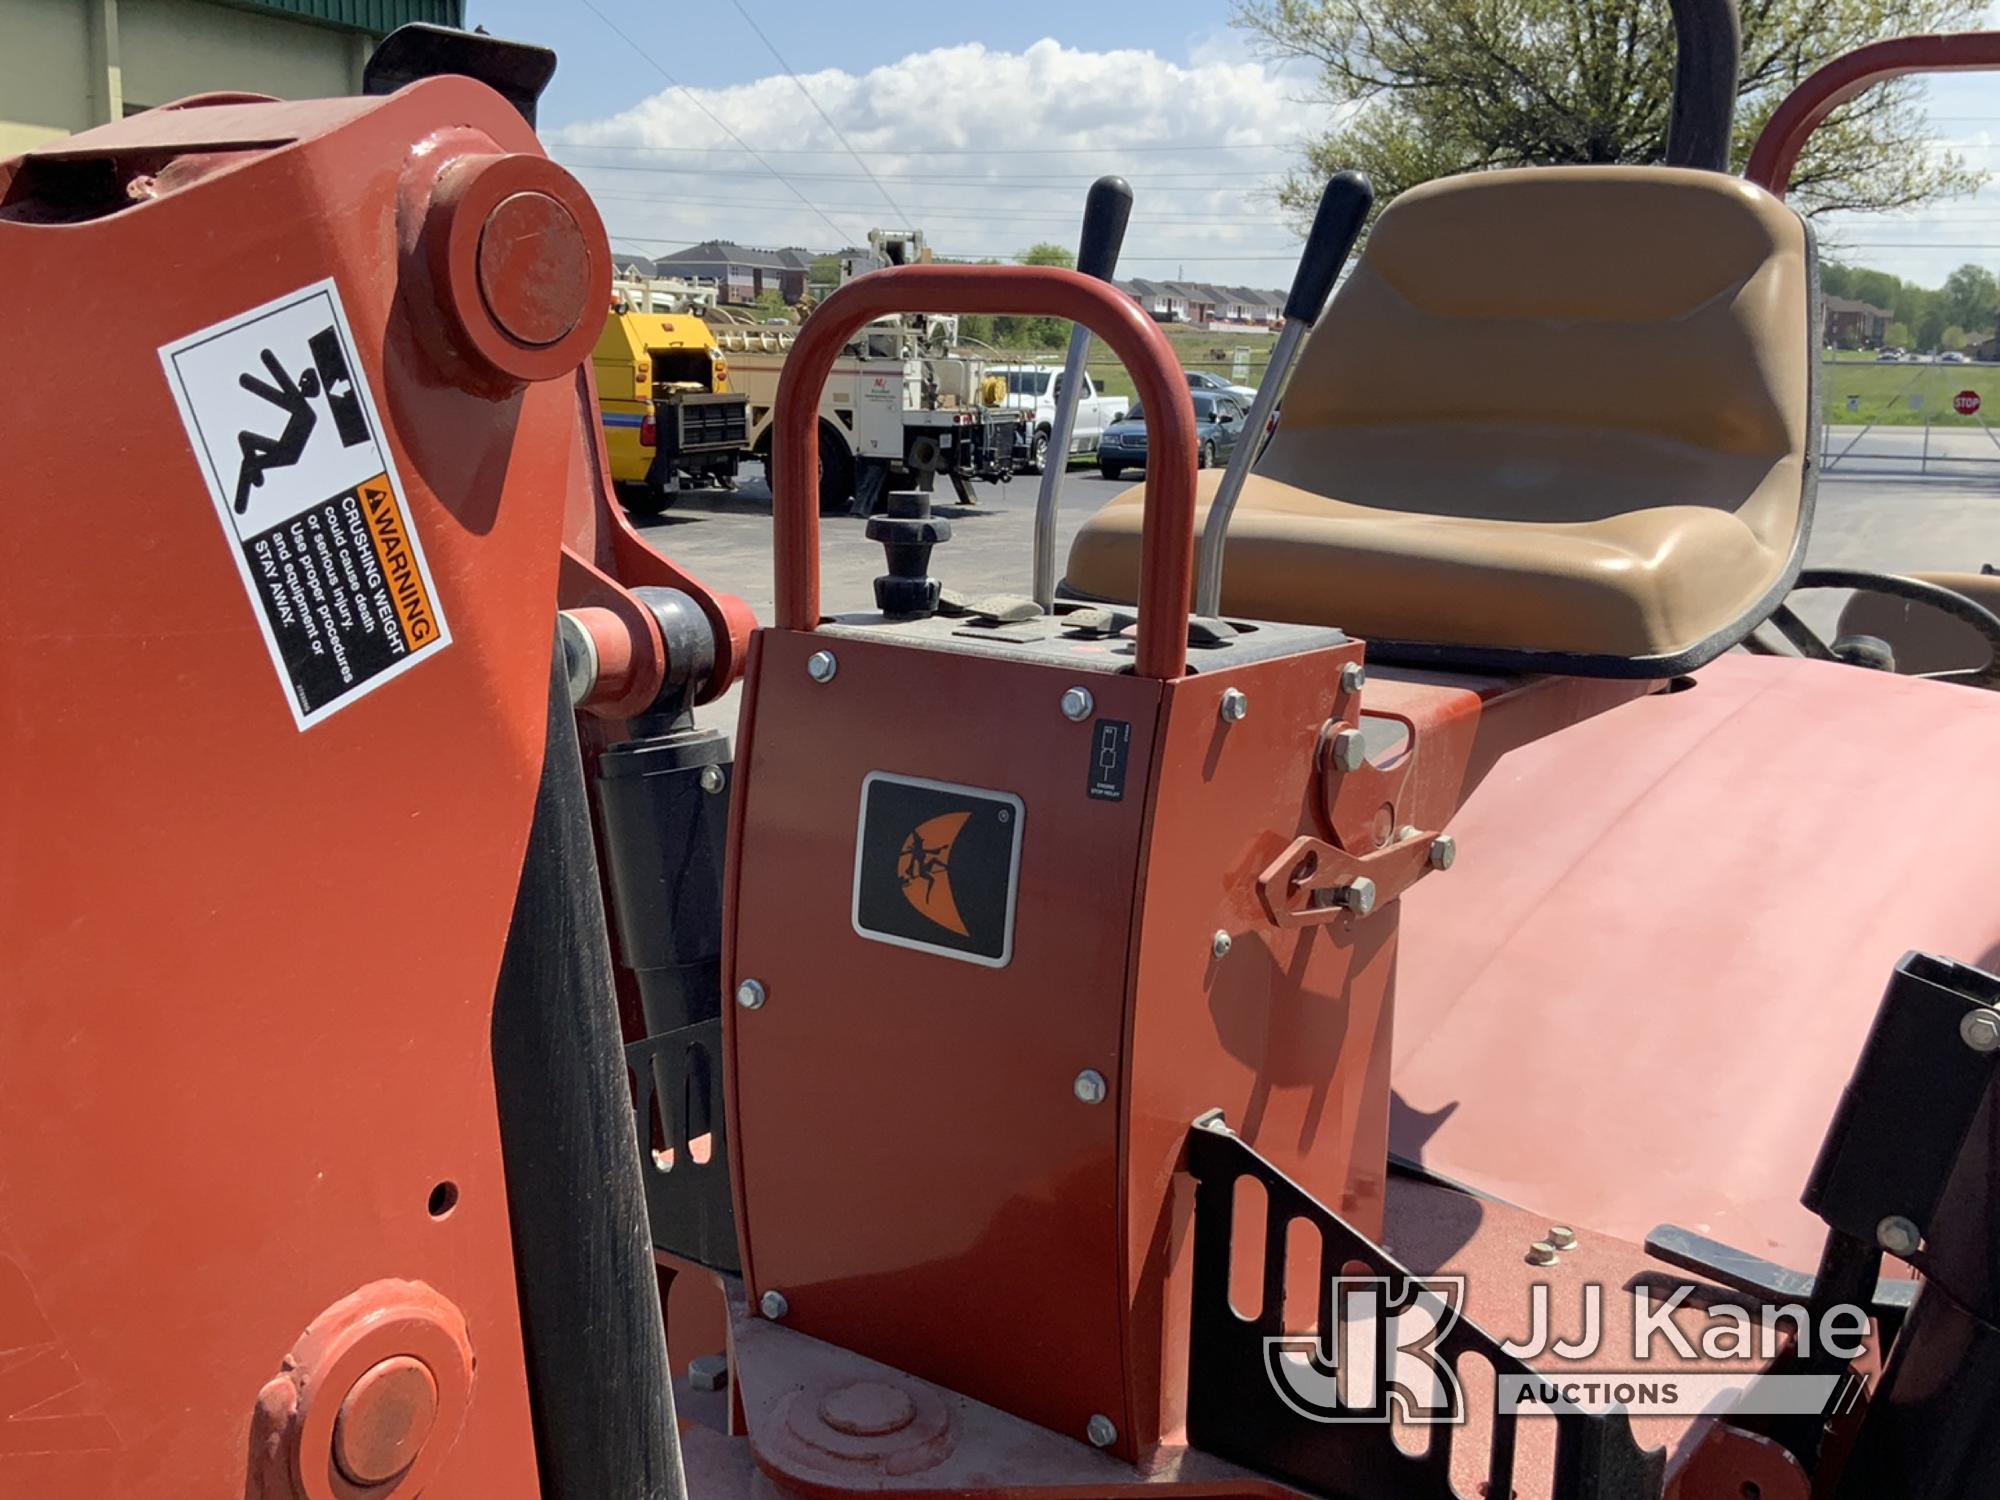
(1235,1410)
(677,1111)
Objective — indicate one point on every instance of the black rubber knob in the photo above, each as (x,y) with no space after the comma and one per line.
(1106,212)
(1343,209)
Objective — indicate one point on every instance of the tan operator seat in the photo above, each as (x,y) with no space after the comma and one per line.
(1556,416)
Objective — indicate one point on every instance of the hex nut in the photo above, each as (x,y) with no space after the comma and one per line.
(1350,750)
(1077,704)
(1101,1431)
(1542,1253)
(1562,1237)
(1898,1235)
(1353,677)
(1090,1086)
(773,1305)
(1980,1029)
(711,779)
(1234,707)
(750,995)
(709,1372)
(1357,895)
(821,666)
(1444,850)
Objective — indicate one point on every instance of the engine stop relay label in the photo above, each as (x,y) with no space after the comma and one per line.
(287,435)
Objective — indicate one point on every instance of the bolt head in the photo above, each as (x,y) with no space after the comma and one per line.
(1221,943)
(1980,1029)
(773,1305)
(1898,1235)
(1542,1253)
(1353,677)
(1444,849)
(1090,1086)
(1101,1431)
(711,779)
(1350,751)
(821,666)
(1562,1237)
(1077,704)
(709,1372)
(1357,895)
(1235,706)
(750,995)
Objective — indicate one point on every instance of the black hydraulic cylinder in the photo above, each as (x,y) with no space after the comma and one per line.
(600,1394)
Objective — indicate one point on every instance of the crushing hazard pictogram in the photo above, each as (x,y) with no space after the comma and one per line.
(285,433)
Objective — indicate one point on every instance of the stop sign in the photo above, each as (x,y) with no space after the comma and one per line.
(1965,403)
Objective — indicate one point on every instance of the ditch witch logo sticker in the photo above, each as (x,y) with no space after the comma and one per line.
(936,867)
(1387,1357)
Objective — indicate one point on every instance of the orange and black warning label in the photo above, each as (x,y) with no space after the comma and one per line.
(937,867)
(288,437)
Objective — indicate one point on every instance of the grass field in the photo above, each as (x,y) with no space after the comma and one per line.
(1198,350)
(1858,390)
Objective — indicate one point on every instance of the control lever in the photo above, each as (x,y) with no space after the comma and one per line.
(1105,213)
(1343,209)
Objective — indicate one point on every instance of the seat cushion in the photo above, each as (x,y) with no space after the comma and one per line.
(1438,566)
(1558,412)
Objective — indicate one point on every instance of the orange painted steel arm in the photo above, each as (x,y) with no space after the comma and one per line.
(1805,109)
(1166,566)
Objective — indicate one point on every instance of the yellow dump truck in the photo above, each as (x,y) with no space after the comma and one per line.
(670,419)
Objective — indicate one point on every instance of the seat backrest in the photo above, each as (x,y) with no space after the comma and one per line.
(1648,303)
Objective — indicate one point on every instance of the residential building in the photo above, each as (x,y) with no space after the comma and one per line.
(66,65)
(741,273)
(1855,325)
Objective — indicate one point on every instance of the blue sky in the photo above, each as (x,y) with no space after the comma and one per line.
(983,124)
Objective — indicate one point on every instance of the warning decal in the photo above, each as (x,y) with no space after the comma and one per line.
(285,431)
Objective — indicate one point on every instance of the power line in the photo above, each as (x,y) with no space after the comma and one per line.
(913,150)
(720,124)
(799,84)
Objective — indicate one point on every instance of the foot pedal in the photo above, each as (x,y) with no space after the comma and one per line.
(1235,1365)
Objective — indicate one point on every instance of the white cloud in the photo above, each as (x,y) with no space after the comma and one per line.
(987,151)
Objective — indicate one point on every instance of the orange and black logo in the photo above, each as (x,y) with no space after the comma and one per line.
(937,867)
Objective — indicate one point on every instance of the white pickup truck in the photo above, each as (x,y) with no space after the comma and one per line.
(1032,389)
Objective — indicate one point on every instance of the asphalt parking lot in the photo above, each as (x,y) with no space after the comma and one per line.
(1870,514)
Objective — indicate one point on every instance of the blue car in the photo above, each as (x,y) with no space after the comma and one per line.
(1218,423)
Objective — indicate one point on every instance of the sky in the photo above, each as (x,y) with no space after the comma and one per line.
(984,124)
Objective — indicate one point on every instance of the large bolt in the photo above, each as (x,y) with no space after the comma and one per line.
(774,1305)
(385,1420)
(1235,706)
(1077,704)
(1980,1029)
(1102,1431)
(1089,1086)
(750,995)
(1350,751)
(821,666)
(1444,849)
(1898,1235)
(1353,677)
(1357,895)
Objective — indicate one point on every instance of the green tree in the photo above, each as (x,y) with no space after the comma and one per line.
(1425,88)
(1952,338)
(1970,297)
(1037,333)
(1898,336)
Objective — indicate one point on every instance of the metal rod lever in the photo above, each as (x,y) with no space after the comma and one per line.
(1343,209)
(1105,214)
